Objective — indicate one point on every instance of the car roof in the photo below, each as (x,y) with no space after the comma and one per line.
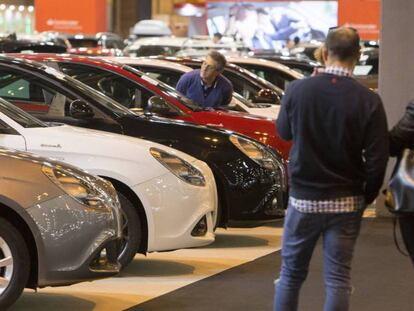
(163,41)
(150,62)
(264,62)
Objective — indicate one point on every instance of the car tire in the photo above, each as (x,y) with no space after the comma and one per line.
(131,230)
(14,272)
(219,215)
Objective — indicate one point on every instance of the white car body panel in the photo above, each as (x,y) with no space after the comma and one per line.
(172,206)
(268,112)
(265,62)
(203,43)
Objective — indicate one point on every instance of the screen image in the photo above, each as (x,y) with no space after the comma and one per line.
(272,24)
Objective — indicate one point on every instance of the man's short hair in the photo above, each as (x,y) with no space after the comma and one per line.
(218,58)
(218,35)
(343,43)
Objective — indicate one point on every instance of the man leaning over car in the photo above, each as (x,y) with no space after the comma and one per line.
(207,86)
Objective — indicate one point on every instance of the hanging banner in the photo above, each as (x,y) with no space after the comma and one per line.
(74,16)
(270,21)
(363,15)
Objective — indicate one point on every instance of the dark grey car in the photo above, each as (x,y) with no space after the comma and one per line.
(58,225)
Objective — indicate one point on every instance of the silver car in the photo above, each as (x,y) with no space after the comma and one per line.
(58,225)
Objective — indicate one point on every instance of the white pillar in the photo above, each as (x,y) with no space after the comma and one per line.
(396,68)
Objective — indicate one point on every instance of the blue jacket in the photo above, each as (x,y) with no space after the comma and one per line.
(340,138)
(219,94)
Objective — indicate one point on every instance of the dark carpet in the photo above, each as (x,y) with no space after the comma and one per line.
(383,281)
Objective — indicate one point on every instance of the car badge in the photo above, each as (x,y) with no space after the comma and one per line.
(51,146)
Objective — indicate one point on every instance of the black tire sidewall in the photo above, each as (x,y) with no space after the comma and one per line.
(21,264)
(134,230)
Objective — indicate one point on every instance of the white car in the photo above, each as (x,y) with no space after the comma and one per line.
(276,73)
(170,72)
(170,45)
(168,198)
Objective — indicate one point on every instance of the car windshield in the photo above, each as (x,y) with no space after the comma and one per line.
(165,88)
(244,100)
(19,116)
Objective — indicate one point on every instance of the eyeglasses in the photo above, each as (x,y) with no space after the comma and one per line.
(208,67)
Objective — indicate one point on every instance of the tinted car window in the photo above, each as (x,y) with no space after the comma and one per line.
(19,116)
(83,43)
(6,129)
(34,95)
(151,50)
(279,79)
(168,76)
(247,90)
(120,89)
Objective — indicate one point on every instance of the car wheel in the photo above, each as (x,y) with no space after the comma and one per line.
(131,231)
(14,264)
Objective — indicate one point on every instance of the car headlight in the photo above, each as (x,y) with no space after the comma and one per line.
(262,156)
(92,191)
(179,167)
(255,151)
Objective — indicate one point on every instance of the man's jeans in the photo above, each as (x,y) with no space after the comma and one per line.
(300,235)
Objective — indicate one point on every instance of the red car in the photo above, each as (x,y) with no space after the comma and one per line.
(134,89)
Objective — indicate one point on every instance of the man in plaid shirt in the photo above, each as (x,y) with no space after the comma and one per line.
(337,165)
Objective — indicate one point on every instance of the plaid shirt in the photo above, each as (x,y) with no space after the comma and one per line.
(337,205)
(335,70)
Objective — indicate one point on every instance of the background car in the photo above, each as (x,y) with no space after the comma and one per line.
(103,43)
(14,44)
(277,74)
(250,177)
(146,176)
(173,46)
(58,224)
(302,65)
(366,70)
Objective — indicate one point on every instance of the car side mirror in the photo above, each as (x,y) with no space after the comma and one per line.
(267,96)
(158,105)
(79,109)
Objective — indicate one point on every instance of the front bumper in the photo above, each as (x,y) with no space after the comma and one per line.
(75,243)
(176,210)
(253,193)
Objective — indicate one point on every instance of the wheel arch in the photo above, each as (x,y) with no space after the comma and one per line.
(9,211)
(132,196)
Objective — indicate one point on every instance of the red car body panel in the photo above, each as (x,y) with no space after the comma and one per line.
(259,128)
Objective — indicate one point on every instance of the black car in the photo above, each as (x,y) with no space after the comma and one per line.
(14,45)
(274,72)
(301,65)
(367,68)
(250,177)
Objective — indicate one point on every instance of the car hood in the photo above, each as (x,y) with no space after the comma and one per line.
(22,180)
(256,127)
(91,149)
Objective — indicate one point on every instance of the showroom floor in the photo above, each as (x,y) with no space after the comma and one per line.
(236,273)
(158,273)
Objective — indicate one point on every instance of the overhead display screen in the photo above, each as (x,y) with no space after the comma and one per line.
(272,24)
